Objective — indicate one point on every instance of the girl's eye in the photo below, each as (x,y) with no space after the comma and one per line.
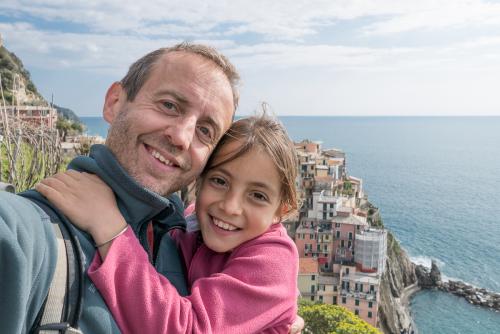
(260,197)
(218,181)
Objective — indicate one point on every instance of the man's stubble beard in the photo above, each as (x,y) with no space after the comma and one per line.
(119,134)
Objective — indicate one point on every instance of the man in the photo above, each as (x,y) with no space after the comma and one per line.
(165,116)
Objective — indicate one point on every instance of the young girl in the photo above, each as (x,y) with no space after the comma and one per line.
(241,265)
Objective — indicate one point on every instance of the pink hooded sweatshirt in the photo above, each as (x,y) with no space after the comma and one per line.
(252,289)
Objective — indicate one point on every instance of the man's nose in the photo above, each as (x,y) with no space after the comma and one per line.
(231,203)
(181,132)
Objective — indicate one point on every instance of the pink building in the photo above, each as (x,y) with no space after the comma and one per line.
(359,292)
(344,230)
(37,115)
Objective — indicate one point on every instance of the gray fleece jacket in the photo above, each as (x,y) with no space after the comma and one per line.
(28,247)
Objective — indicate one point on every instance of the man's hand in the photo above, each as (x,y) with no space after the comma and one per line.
(297,326)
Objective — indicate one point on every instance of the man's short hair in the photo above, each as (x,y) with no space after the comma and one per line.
(140,71)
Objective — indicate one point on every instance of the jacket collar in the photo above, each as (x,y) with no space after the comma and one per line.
(136,203)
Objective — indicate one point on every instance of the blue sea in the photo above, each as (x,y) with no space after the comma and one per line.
(437,183)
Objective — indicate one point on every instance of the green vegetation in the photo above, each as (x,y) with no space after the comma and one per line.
(30,166)
(332,319)
(10,66)
(68,127)
(347,189)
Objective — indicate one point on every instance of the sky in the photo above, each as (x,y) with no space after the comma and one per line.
(302,57)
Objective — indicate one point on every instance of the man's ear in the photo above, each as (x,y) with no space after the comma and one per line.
(115,97)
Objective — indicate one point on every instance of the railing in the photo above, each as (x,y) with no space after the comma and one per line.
(370,296)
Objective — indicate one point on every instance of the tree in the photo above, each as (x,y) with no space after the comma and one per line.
(332,319)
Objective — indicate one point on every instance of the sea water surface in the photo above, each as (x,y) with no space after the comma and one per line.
(437,183)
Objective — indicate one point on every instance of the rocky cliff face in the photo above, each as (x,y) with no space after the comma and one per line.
(398,282)
(16,81)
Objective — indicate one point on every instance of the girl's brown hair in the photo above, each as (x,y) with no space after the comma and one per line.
(267,133)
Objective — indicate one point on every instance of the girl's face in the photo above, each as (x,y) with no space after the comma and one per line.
(238,200)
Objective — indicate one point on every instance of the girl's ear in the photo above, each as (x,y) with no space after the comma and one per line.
(281,214)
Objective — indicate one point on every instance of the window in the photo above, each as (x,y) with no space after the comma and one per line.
(350,235)
(318,247)
(372,288)
(369,314)
(335,299)
(342,244)
(334,288)
(337,224)
(311,236)
(324,206)
(331,205)
(356,312)
(312,288)
(325,248)
(312,298)
(338,234)
(356,302)
(320,298)
(347,271)
(349,244)
(343,300)
(313,277)
(370,304)
(361,287)
(331,214)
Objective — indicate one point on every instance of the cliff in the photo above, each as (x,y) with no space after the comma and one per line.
(19,89)
(16,82)
(399,282)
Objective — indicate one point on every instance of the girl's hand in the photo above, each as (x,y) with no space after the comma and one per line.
(87,202)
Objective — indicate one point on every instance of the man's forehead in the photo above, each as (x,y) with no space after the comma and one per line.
(209,82)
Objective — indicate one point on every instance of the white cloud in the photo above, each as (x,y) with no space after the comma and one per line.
(432,15)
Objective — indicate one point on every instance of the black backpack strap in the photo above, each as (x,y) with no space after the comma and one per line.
(63,306)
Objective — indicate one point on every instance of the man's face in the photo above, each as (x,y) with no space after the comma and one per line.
(165,136)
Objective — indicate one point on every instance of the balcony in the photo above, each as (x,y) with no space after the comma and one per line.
(370,296)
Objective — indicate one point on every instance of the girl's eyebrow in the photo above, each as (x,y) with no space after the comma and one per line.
(254,183)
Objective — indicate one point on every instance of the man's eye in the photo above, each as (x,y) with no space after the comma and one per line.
(169,105)
(206,133)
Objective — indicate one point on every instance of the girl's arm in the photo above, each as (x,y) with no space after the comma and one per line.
(87,202)
(255,292)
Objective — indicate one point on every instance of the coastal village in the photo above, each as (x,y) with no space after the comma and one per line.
(342,255)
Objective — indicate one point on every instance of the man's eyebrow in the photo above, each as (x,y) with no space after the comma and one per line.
(179,97)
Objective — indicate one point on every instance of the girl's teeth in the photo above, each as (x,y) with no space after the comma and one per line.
(223,225)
